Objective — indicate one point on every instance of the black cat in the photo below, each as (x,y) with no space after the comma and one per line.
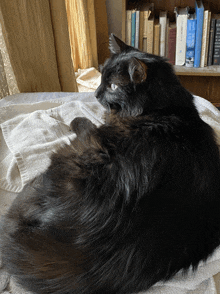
(138,201)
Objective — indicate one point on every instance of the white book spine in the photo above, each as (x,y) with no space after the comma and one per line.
(207,37)
(181,39)
(163,27)
(137,29)
(204,37)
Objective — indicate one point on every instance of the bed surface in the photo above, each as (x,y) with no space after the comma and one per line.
(47,115)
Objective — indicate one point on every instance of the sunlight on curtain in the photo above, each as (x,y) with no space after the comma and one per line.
(46,39)
(31,30)
(82,30)
(8,83)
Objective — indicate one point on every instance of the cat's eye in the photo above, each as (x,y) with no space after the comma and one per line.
(114,87)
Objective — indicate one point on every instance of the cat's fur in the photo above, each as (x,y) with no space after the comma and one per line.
(138,202)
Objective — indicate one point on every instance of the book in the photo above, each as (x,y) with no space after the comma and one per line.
(171,42)
(216,54)
(181,29)
(211,41)
(207,6)
(199,30)
(148,8)
(190,40)
(145,44)
(141,30)
(156,37)
(133,27)
(163,29)
(166,42)
(150,34)
(137,26)
(205,35)
(128,27)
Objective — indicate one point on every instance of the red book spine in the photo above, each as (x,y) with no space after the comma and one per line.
(171,45)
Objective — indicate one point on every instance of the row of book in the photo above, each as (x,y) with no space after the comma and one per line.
(193,39)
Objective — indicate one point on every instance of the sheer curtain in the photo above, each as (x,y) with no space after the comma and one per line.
(88,28)
(82,28)
(43,43)
(8,83)
(37,40)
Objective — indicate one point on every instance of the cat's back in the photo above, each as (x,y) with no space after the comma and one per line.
(165,130)
(172,160)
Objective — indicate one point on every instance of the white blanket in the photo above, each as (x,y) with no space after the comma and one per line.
(28,134)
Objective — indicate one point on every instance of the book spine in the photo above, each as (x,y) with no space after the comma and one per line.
(190,42)
(157,39)
(166,42)
(146,16)
(171,45)
(216,56)
(137,29)
(150,36)
(211,41)
(204,39)
(141,30)
(207,39)
(199,30)
(145,44)
(181,39)
(133,28)
(128,27)
(163,26)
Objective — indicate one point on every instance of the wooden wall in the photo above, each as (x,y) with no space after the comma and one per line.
(206,87)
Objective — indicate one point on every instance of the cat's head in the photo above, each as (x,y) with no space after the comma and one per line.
(133,82)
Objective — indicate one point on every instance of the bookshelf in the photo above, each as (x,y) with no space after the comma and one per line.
(213,70)
(204,82)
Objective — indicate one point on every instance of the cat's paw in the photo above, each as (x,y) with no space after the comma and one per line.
(81,125)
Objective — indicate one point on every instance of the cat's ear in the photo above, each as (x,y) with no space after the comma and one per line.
(116,45)
(137,70)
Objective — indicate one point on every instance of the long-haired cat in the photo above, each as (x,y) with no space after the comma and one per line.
(138,201)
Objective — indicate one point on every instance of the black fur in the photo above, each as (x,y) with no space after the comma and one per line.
(138,201)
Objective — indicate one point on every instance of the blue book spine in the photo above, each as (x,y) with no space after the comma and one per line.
(199,30)
(190,42)
(133,28)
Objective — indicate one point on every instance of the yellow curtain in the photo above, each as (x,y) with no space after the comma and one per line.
(101,30)
(47,40)
(82,30)
(37,40)
(88,29)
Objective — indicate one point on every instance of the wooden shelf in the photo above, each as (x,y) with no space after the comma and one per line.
(213,70)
